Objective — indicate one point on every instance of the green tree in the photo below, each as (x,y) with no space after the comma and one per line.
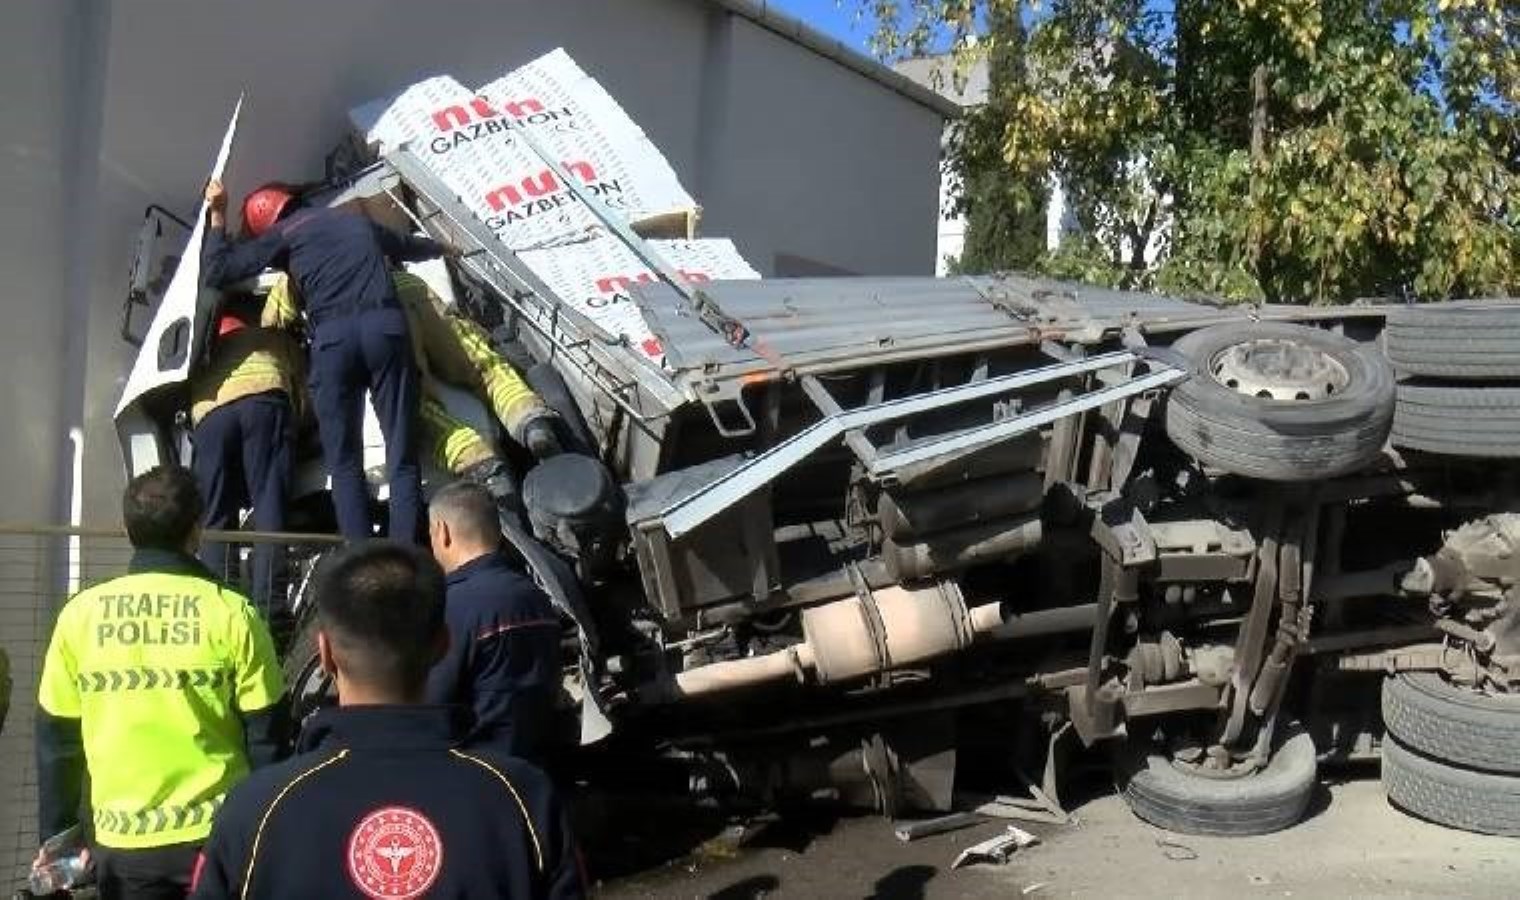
(1294,150)
(1004,208)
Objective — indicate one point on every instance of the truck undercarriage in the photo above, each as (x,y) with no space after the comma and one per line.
(840,509)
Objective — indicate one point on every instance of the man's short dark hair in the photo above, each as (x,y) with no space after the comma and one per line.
(381,606)
(161,507)
(470,511)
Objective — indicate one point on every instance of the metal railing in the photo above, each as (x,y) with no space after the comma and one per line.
(37,565)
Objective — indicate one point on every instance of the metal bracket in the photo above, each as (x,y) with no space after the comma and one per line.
(988,434)
(710,500)
(855,438)
(1130,544)
(730,400)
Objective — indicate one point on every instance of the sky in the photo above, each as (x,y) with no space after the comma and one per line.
(837,18)
(830,17)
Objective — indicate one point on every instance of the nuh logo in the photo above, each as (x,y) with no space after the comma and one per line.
(543,184)
(479,108)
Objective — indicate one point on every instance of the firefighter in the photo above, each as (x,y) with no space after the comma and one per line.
(451,349)
(242,408)
(455,350)
(162,685)
(383,800)
(503,658)
(359,339)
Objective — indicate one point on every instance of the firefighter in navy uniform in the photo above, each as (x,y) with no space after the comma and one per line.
(242,407)
(359,336)
(503,660)
(162,685)
(384,799)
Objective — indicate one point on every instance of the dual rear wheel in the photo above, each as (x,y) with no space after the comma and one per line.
(1452,754)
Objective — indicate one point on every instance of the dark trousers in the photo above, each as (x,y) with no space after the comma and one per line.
(369,350)
(148,873)
(243,458)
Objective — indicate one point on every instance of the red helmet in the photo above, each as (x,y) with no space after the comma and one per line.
(262,208)
(227,323)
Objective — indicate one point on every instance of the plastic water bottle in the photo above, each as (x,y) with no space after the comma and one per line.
(58,875)
(67,862)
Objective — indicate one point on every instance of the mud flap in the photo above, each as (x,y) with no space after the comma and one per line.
(558,581)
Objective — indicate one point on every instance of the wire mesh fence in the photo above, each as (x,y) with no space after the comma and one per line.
(40,566)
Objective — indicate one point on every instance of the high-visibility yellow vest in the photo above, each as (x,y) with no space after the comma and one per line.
(157,668)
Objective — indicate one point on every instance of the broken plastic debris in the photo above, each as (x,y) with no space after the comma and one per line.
(996,850)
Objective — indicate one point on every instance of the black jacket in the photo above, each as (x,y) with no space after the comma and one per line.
(384,801)
(503,660)
(336,257)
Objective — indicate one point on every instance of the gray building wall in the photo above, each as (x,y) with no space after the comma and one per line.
(37,57)
(111,106)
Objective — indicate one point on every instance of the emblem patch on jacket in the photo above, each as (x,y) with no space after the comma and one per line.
(394,853)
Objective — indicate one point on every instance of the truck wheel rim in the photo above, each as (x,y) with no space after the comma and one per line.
(1276,369)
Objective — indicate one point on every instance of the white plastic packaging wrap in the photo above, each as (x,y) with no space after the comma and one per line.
(596,277)
(468,139)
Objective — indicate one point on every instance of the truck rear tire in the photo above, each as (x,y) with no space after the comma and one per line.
(1280,402)
(307,688)
(1455,341)
(1465,799)
(1269,800)
(1458,420)
(1453,724)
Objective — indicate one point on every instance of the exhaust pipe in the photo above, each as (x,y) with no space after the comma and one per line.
(878,631)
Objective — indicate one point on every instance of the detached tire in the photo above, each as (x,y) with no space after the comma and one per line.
(1280,402)
(1465,799)
(1455,341)
(1266,801)
(1458,421)
(1453,724)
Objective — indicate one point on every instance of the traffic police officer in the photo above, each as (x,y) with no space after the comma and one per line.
(503,660)
(162,685)
(383,800)
(337,258)
(243,413)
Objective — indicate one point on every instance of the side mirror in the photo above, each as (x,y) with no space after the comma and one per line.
(159,244)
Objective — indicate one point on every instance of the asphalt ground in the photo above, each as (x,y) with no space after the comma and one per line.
(1351,844)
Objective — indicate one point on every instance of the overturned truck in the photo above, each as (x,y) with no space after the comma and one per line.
(835,511)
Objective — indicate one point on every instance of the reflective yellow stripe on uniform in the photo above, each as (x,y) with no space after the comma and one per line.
(147,822)
(456,446)
(511,399)
(146,679)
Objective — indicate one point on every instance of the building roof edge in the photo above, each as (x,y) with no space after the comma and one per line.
(790,27)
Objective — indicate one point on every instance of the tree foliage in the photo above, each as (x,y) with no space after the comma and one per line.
(1004,208)
(1294,150)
